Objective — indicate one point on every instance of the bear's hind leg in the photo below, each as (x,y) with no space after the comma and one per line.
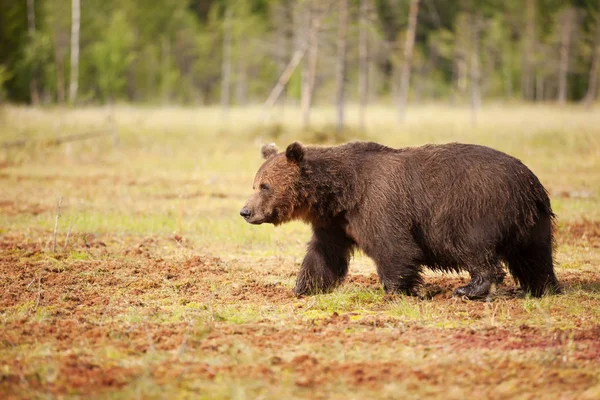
(533,268)
(530,261)
(326,262)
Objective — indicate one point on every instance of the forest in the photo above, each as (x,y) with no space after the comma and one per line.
(234,52)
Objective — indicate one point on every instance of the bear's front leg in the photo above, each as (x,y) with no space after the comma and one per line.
(398,273)
(326,262)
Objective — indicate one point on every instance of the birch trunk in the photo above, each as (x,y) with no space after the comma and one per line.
(363,62)
(75,22)
(282,38)
(309,70)
(527,78)
(475,76)
(407,58)
(226,64)
(341,62)
(60,73)
(595,68)
(565,51)
(33,84)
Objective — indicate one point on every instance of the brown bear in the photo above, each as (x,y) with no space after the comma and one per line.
(450,207)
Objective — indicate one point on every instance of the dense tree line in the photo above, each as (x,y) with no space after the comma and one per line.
(234,51)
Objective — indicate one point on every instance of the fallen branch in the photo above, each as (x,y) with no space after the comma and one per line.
(293,64)
(14,143)
(282,81)
(61,139)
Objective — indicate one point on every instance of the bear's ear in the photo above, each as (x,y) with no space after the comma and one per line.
(268,150)
(295,152)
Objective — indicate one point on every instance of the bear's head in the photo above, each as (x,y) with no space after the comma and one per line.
(277,196)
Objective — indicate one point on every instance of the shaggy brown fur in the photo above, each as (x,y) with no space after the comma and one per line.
(449,207)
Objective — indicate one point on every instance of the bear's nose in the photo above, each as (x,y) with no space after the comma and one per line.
(245,212)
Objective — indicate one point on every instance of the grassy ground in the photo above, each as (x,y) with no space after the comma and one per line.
(162,290)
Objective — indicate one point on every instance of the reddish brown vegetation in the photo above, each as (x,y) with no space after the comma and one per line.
(81,308)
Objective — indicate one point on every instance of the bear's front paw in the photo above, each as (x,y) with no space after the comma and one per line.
(301,291)
(309,288)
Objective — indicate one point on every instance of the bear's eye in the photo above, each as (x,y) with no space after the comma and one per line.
(265,186)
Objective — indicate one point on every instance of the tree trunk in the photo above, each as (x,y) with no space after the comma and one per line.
(165,64)
(33,84)
(527,77)
(507,80)
(75,21)
(595,68)
(283,22)
(363,62)
(31,16)
(241,83)
(567,23)
(60,73)
(305,73)
(539,87)
(226,64)
(475,76)
(460,74)
(341,62)
(281,50)
(309,70)
(407,58)
(461,57)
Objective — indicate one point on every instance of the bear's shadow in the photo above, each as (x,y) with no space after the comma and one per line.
(439,288)
(431,291)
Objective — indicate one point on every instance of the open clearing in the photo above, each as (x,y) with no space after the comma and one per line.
(162,290)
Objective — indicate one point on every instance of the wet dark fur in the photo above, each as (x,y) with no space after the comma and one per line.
(449,207)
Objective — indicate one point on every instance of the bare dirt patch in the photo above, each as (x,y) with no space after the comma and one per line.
(582,232)
(261,292)
(12,208)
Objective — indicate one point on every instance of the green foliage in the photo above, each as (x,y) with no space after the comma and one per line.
(13,37)
(37,55)
(112,56)
(5,75)
(208,47)
(172,51)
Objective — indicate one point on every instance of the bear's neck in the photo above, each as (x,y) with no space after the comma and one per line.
(327,189)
